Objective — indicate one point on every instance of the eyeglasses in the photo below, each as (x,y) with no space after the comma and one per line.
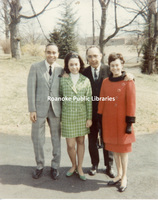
(92,56)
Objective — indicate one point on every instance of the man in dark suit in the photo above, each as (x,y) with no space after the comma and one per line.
(96,73)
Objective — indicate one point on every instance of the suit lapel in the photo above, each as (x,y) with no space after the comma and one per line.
(103,73)
(56,74)
(44,72)
(90,76)
(79,82)
(72,86)
(70,83)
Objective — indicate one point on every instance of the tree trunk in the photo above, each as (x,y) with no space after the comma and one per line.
(152,34)
(15,40)
(102,31)
(6,18)
(14,28)
(150,52)
(156,49)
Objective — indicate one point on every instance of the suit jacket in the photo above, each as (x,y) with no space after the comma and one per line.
(75,105)
(96,86)
(39,89)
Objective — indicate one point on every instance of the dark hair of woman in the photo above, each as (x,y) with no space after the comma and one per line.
(113,56)
(73,55)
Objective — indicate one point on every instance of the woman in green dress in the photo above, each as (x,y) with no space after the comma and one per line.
(76,94)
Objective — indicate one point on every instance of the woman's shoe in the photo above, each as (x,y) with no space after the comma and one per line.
(83,178)
(76,171)
(111,183)
(122,188)
(68,174)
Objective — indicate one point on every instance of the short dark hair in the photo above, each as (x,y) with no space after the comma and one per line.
(70,55)
(51,44)
(114,56)
(93,46)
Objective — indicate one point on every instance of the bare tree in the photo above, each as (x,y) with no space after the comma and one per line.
(104,6)
(15,17)
(137,43)
(152,35)
(4,16)
(150,16)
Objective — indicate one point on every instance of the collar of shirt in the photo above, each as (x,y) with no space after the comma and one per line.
(47,66)
(97,70)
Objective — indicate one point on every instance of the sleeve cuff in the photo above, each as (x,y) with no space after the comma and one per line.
(130,119)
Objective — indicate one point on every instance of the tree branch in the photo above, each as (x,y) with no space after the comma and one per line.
(35,15)
(115,11)
(117,29)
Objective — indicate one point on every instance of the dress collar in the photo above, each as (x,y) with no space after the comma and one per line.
(115,79)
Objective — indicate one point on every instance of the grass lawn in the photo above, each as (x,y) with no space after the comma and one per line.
(13,96)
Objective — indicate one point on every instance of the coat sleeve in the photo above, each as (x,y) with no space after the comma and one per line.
(61,88)
(101,103)
(89,100)
(31,89)
(130,102)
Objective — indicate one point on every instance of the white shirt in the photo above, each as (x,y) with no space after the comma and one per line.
(74,78)
(48,66)
(97,71)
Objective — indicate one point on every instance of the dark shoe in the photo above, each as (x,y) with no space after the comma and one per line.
(122,188)
(37,173)
(110,173)
(54,173)
(111,183)
(93,170)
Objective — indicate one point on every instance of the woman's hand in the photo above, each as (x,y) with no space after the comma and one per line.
(88,123)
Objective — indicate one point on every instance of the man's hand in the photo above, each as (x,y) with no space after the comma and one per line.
(33,117)
(65,75)
(129,77)
(88,123)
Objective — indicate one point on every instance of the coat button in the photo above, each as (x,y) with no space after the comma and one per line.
(118,90)
(123,84)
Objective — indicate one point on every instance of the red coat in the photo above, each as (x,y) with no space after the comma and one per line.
(118,101)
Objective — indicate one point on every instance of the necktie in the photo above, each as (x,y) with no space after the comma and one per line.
(95,75)
(50,70)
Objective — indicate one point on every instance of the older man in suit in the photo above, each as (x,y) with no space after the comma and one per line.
(96,73)
(43,82)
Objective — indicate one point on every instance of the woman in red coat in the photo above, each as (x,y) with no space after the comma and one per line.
(117,109)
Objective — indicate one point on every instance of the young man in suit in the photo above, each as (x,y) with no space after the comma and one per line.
(43,82)
(96,73)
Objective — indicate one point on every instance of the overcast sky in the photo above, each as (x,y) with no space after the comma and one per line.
(83,9)
(49,19)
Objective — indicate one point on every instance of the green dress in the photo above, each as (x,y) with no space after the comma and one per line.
(76,106)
